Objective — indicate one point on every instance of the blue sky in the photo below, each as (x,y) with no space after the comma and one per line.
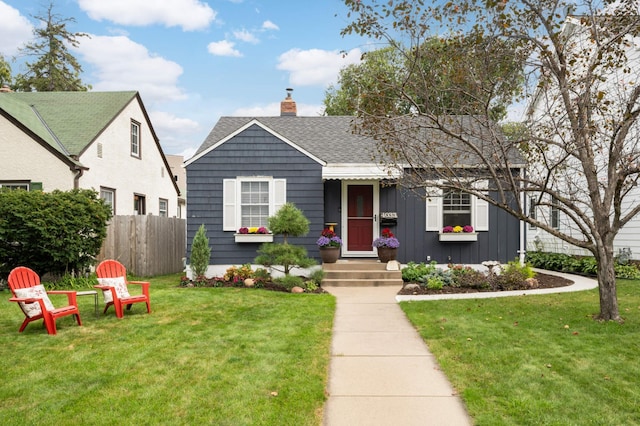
(194,61)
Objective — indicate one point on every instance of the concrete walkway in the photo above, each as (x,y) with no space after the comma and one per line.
(381,372)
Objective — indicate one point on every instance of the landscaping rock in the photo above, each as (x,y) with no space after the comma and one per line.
(297,290)
(412,287)
(249,282)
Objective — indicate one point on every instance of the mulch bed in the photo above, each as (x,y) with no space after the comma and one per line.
(544,281)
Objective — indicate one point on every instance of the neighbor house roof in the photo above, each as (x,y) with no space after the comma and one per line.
(67,121)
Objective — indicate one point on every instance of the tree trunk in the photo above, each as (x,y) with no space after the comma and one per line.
(607,285)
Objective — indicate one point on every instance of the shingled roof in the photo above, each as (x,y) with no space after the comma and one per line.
(331,139)
(327,138)
(67,121)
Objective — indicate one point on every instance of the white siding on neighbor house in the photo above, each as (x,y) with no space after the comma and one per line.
(21,158)
(128,175)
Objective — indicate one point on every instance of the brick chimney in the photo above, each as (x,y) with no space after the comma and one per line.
(288,106)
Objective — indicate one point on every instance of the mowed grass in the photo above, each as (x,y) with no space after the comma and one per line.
(538,360)
(220,356)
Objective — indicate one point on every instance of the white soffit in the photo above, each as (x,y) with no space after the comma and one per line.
(358,171)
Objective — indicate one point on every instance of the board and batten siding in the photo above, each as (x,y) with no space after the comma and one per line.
(500,242)
(253,152)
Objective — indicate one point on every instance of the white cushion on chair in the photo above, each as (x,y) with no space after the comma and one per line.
(118,283)
(35,292)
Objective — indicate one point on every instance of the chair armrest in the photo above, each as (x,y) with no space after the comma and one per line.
(71,295)
(23,299)
(143,284)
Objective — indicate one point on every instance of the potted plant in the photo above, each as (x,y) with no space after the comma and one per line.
(387,245)
(329,244)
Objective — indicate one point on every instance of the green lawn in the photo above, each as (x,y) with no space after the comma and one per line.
(219,356)
(538,360)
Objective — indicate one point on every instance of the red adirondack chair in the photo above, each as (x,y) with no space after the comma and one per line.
(112,276)
(33,299)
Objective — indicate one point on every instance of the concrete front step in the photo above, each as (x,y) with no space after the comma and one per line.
(359,273)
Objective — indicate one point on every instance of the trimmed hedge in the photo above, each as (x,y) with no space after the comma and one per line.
(584,265)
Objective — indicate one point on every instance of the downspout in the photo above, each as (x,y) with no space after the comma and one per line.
(76,180)
(523,232)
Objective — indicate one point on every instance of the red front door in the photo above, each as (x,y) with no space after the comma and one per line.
(359,217)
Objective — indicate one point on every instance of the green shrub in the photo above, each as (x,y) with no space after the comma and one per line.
(629,272)
(414,272)
(57,232)
(435,283)
(200,252)
(525,270)
(290,281)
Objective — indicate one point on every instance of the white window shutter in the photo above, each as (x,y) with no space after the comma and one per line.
(279,194)
(433,210)
(229,216)
(481,213)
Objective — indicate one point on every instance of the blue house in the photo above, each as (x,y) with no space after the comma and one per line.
(248,167)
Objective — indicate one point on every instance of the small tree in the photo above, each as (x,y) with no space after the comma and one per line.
(288,221)
(200,252)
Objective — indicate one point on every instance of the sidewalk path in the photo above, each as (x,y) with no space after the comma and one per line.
(381,372)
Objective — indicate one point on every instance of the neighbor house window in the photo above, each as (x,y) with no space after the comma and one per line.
(249,201)
(15,185)
(139,204)
(555,214)
(135,139)
(109,197)
(163,207)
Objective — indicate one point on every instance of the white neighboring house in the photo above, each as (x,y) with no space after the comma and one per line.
(618,85)
(86,140)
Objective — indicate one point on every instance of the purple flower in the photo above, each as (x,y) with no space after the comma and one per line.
(467,228)
(263,230)
(390,242)
(447,229)
(243,230)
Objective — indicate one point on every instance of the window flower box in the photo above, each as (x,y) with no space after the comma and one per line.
(458,236)
(253,238)
(253,235)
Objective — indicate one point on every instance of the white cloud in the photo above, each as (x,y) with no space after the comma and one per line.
(15,30)
(223,48)
(246,36)
(165,121)
(268,25)
(121,64)
(315,66)
(189,14)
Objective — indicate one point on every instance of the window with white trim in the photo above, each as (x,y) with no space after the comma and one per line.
(163,207)
(15,185)
(455,208)
(249,201)
(109,197)
(135,139)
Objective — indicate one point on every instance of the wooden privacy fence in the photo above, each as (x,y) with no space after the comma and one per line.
(146,245)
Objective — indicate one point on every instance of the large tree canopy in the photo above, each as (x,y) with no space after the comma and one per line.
(580,141)
(441,74)
(55,68)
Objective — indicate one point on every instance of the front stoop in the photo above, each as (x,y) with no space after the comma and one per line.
(359,273)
